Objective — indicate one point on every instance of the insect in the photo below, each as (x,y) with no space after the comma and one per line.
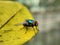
(30,23)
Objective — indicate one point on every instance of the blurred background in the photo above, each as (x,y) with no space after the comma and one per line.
(47,13)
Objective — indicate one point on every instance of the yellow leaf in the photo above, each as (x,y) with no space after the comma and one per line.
(12,13)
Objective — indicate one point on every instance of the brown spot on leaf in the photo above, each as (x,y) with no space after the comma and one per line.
(18,38)
(1,13)
(6,31)
(0,35)
(1,41)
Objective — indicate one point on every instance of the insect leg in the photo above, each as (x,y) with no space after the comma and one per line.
(26,29)
(37,28)
(34,29)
